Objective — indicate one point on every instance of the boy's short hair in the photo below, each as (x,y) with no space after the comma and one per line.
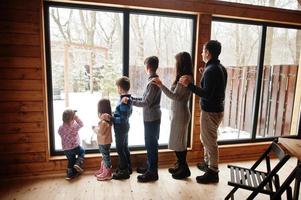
(68,115)
(124,83)
(214,47)
(152,62)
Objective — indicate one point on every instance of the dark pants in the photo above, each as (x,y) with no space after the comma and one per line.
(151,137)
(73,154)
(105,151)
(121,138)
(181,155)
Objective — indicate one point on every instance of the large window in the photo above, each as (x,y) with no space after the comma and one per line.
(89,47)
(153,35)
(286,4)
(239,56)
(262,95)
(280,100)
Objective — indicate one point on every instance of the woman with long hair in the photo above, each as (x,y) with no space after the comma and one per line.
(180,114)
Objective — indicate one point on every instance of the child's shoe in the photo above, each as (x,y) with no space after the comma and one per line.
(78,166)
(71,173)
(105,175)
(98,172)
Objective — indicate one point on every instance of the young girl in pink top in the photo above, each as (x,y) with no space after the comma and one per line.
(71,144)
(104,139)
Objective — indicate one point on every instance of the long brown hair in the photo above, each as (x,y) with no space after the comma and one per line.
(183,65)
(104,106)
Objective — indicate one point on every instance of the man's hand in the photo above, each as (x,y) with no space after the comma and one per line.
(185,80)
(201,70)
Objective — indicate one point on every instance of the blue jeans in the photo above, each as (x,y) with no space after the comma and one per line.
(121,138)
(151,137)
(72,153)
(105,151)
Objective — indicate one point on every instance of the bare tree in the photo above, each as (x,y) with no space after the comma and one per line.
(157,34)
(88,21)
(64,28)
(167,31)
(109,36)
(138,26)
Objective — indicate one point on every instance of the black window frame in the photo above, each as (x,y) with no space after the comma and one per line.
(259,72)
(126,39)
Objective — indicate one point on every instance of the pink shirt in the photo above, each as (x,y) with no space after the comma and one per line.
(69,134)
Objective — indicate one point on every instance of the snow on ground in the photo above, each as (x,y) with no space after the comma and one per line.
(86,105)
(228,133)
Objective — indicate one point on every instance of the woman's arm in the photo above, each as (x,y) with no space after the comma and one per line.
(179,94)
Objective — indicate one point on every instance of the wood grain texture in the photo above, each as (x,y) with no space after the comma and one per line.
(214,7)
(24,146)
(87,187)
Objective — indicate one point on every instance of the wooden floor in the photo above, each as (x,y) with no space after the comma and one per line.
(87,187)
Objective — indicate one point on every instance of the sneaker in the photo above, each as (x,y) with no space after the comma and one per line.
(71,173)
(209,177)
(105,175)
(202,166)
(174,169)
(141,170)
(148,177)
(121,174)
(78,166)
(98,172)
(182,172)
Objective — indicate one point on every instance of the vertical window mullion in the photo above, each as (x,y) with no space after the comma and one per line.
(126,43)
(49,79)
(259,81)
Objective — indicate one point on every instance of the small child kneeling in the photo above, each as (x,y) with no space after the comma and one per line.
(104,139)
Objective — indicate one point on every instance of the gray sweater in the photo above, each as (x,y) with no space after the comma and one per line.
(150,101)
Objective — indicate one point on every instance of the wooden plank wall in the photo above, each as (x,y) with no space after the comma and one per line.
(23,105)
(23,139)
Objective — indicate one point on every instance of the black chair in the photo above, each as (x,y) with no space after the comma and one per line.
(258,181)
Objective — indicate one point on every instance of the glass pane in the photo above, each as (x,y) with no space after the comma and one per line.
(280,98)
(163,37)
(240,46)
(286,4)
(86,59)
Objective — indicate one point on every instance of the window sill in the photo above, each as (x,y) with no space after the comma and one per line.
(113,154)
(227,146)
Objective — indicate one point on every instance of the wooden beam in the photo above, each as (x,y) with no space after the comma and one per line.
(13,107)
(214,7)
(22,127)
(20,62)
(10,73)
(22,117)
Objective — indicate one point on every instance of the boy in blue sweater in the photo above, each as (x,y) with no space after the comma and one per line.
(121,128)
